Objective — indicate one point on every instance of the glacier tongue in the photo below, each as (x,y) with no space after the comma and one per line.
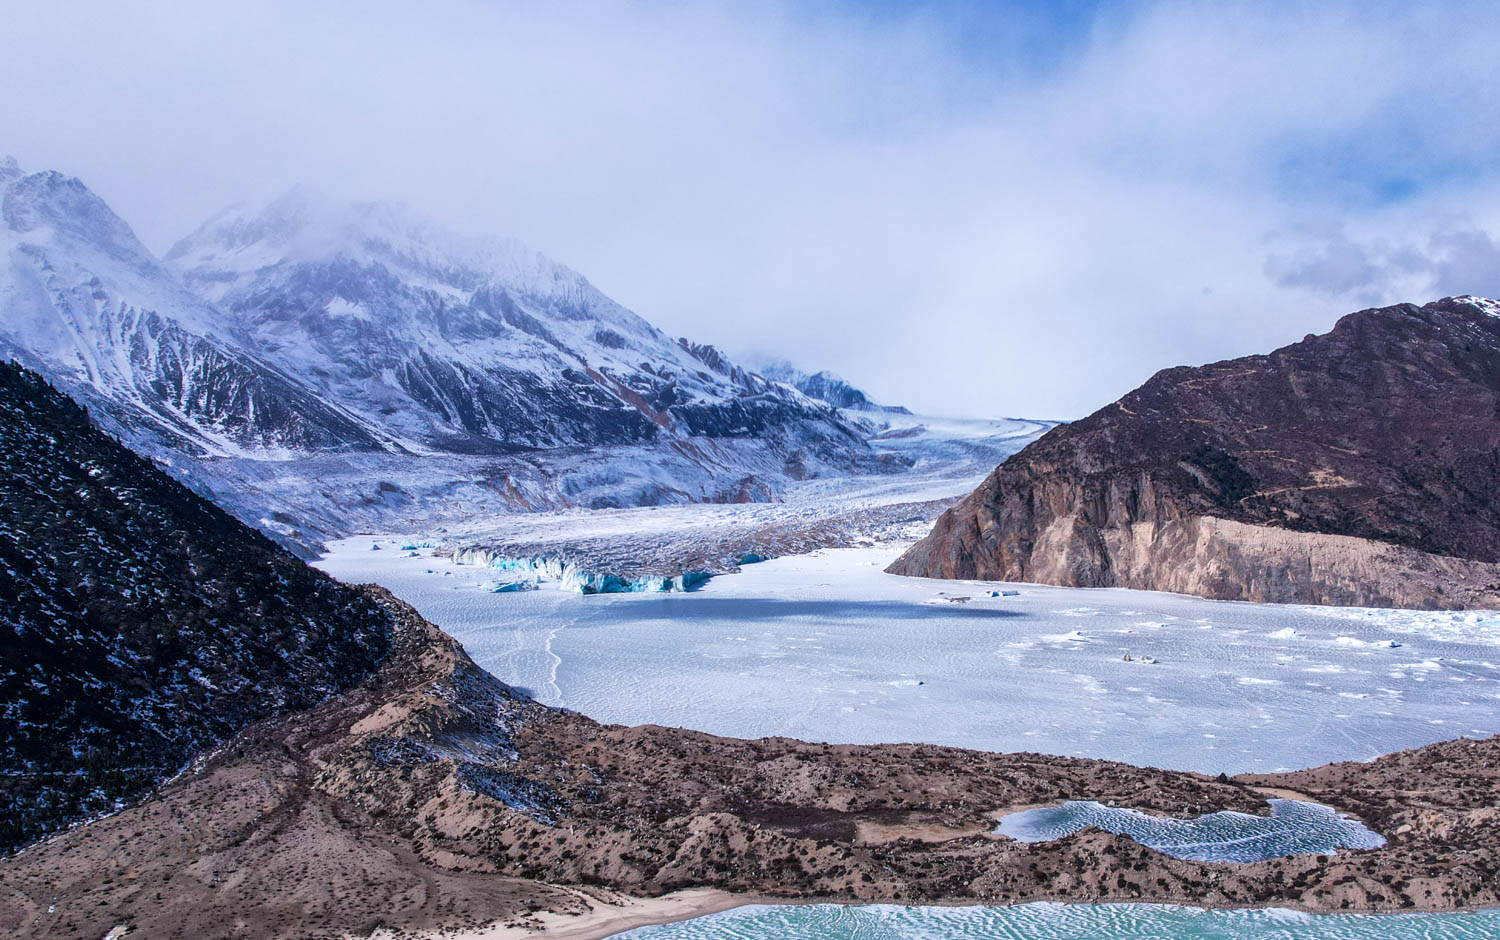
(573,575)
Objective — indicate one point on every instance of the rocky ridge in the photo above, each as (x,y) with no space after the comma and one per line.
(1358,467)
(139,624)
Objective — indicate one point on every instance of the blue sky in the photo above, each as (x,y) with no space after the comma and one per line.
(963,207)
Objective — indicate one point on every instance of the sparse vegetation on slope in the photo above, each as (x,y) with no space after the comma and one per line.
(139,624)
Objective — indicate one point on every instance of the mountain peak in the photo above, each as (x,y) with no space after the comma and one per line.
(1484,304)
(47,204)
(305,226)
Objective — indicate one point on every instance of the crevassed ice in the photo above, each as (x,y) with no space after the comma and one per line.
(571,577)
(1294,827)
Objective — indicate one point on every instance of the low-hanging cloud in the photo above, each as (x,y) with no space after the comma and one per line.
(1027,224)
(1451,257)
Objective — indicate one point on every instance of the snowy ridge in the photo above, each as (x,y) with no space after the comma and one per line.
(825,386)
(87,303)
(1490,307)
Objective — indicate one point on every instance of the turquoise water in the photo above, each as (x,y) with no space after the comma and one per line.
(1293,828)
(1063,922)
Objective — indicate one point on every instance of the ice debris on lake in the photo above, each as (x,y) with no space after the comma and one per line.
(1293,828)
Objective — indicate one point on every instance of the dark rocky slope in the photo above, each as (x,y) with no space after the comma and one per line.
(1357,467)
(139,624)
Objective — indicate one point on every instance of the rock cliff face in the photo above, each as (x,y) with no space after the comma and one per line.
(1357,467)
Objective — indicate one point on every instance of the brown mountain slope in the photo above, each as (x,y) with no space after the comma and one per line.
(1357,467)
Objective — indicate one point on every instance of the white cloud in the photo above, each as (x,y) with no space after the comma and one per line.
(948,226)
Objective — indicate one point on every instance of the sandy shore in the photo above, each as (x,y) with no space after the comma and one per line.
(609,914)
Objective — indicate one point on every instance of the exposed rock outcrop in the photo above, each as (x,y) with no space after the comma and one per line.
(1357,467)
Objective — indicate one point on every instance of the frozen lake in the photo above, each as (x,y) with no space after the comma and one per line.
(1292,828)
(1062,922)
(827,647)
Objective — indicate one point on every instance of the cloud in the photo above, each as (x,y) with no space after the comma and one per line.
(1451,257)
(964,207)
(1337,267)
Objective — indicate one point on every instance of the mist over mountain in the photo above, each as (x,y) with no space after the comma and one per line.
(468,345)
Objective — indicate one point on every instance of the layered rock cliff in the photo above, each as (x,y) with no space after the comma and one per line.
(1357,467)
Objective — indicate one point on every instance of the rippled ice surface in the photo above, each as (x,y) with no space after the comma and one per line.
(827,647)
(1294,827)
(1062,922)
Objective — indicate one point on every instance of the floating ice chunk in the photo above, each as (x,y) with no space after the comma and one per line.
(507,587)
(1072,636)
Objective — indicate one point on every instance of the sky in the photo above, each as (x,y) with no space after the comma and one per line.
(979,208)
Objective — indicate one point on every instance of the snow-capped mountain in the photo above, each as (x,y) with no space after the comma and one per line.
(322,368)
(825,386)
(470,345)
(85,302)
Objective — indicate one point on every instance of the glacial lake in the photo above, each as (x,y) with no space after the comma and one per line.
(827,647)
(1292,827)
(1063,922)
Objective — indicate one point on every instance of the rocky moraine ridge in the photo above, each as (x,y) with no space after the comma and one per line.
(1359,467)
